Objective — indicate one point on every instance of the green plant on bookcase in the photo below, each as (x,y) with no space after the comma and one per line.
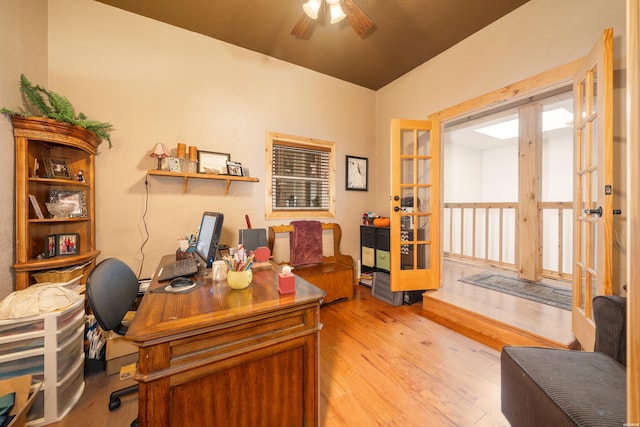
(41,102)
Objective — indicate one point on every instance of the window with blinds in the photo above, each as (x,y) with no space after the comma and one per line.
(301,177)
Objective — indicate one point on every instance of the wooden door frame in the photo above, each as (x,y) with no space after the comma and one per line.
(541,83)
(633,207)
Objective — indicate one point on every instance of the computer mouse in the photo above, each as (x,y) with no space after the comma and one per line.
(181,282)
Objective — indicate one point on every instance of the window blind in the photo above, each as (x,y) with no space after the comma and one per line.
(300,177)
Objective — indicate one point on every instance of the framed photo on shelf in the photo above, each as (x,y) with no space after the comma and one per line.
(75,198)
(50,245)
(58,167)
(67,244)
(357,173)
(234,168)
(212,162)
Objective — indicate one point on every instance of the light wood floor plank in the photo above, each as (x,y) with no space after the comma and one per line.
(380,366)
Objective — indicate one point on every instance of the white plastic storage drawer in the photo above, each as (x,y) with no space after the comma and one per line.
(21,345)
(56,358)
(22,366)
(70,390)
(71,317)
(63,338)
(69,355)
(13,328)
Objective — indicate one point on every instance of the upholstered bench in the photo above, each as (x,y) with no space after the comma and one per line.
(334,274)
(556,387)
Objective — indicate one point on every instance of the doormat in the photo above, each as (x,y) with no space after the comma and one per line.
(534,291)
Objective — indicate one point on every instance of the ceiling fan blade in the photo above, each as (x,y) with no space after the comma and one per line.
(302,25)
(359,21)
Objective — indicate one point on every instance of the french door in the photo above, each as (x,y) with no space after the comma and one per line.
(593,185)
(415,205)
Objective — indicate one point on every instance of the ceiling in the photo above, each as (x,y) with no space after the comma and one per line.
(406,33)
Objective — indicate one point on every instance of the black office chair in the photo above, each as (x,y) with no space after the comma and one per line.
(112,288)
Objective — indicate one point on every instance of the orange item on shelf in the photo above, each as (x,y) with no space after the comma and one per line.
(382,222)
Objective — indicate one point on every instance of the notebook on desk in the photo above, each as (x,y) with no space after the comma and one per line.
(205,253)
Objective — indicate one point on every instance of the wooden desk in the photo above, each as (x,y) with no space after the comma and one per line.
(223,357)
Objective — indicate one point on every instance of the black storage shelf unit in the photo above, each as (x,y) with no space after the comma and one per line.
(375,265)
(374,252)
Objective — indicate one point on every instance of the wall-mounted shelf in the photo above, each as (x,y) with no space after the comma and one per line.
(185,176)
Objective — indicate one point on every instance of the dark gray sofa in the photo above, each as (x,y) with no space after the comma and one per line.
(556,387)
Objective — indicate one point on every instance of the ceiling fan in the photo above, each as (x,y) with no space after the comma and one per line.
(339,9)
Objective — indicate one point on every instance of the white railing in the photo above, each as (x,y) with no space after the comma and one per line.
(486,232)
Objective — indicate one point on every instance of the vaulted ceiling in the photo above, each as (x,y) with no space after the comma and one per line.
(406,33)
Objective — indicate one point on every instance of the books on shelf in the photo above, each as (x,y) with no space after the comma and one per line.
(366,278)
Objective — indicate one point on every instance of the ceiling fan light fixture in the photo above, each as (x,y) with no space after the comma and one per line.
(311,8)
(337,14)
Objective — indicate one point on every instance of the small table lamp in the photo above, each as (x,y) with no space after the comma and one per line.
(160,151)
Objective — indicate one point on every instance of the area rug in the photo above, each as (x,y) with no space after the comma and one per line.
(534,291)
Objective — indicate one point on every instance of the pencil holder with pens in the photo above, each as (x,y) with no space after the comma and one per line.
(239,275)
(239,279)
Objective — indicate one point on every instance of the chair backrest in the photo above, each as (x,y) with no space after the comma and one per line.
(610,316)
(112,288)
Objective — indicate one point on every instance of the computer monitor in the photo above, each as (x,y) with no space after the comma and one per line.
(209,237)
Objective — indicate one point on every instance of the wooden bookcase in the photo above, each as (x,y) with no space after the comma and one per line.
(43,139)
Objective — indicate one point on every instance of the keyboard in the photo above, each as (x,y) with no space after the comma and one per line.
(180,268)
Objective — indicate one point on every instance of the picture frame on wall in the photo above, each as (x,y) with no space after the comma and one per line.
(212,162)
(68,244)
(356,173)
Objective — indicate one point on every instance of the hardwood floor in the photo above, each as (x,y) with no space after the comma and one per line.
(390,366)
(380,365)
(495,318)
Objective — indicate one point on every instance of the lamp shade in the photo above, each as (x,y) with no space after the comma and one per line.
(337,14)
(311,8)
(160,151)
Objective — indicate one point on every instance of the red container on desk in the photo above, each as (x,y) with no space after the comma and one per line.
(286,283)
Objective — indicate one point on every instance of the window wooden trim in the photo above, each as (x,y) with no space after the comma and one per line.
(302,142)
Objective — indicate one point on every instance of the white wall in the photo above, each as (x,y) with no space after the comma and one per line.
(23,49)
(159,83)
(538,36)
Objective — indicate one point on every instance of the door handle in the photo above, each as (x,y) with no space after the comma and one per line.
(597,211)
